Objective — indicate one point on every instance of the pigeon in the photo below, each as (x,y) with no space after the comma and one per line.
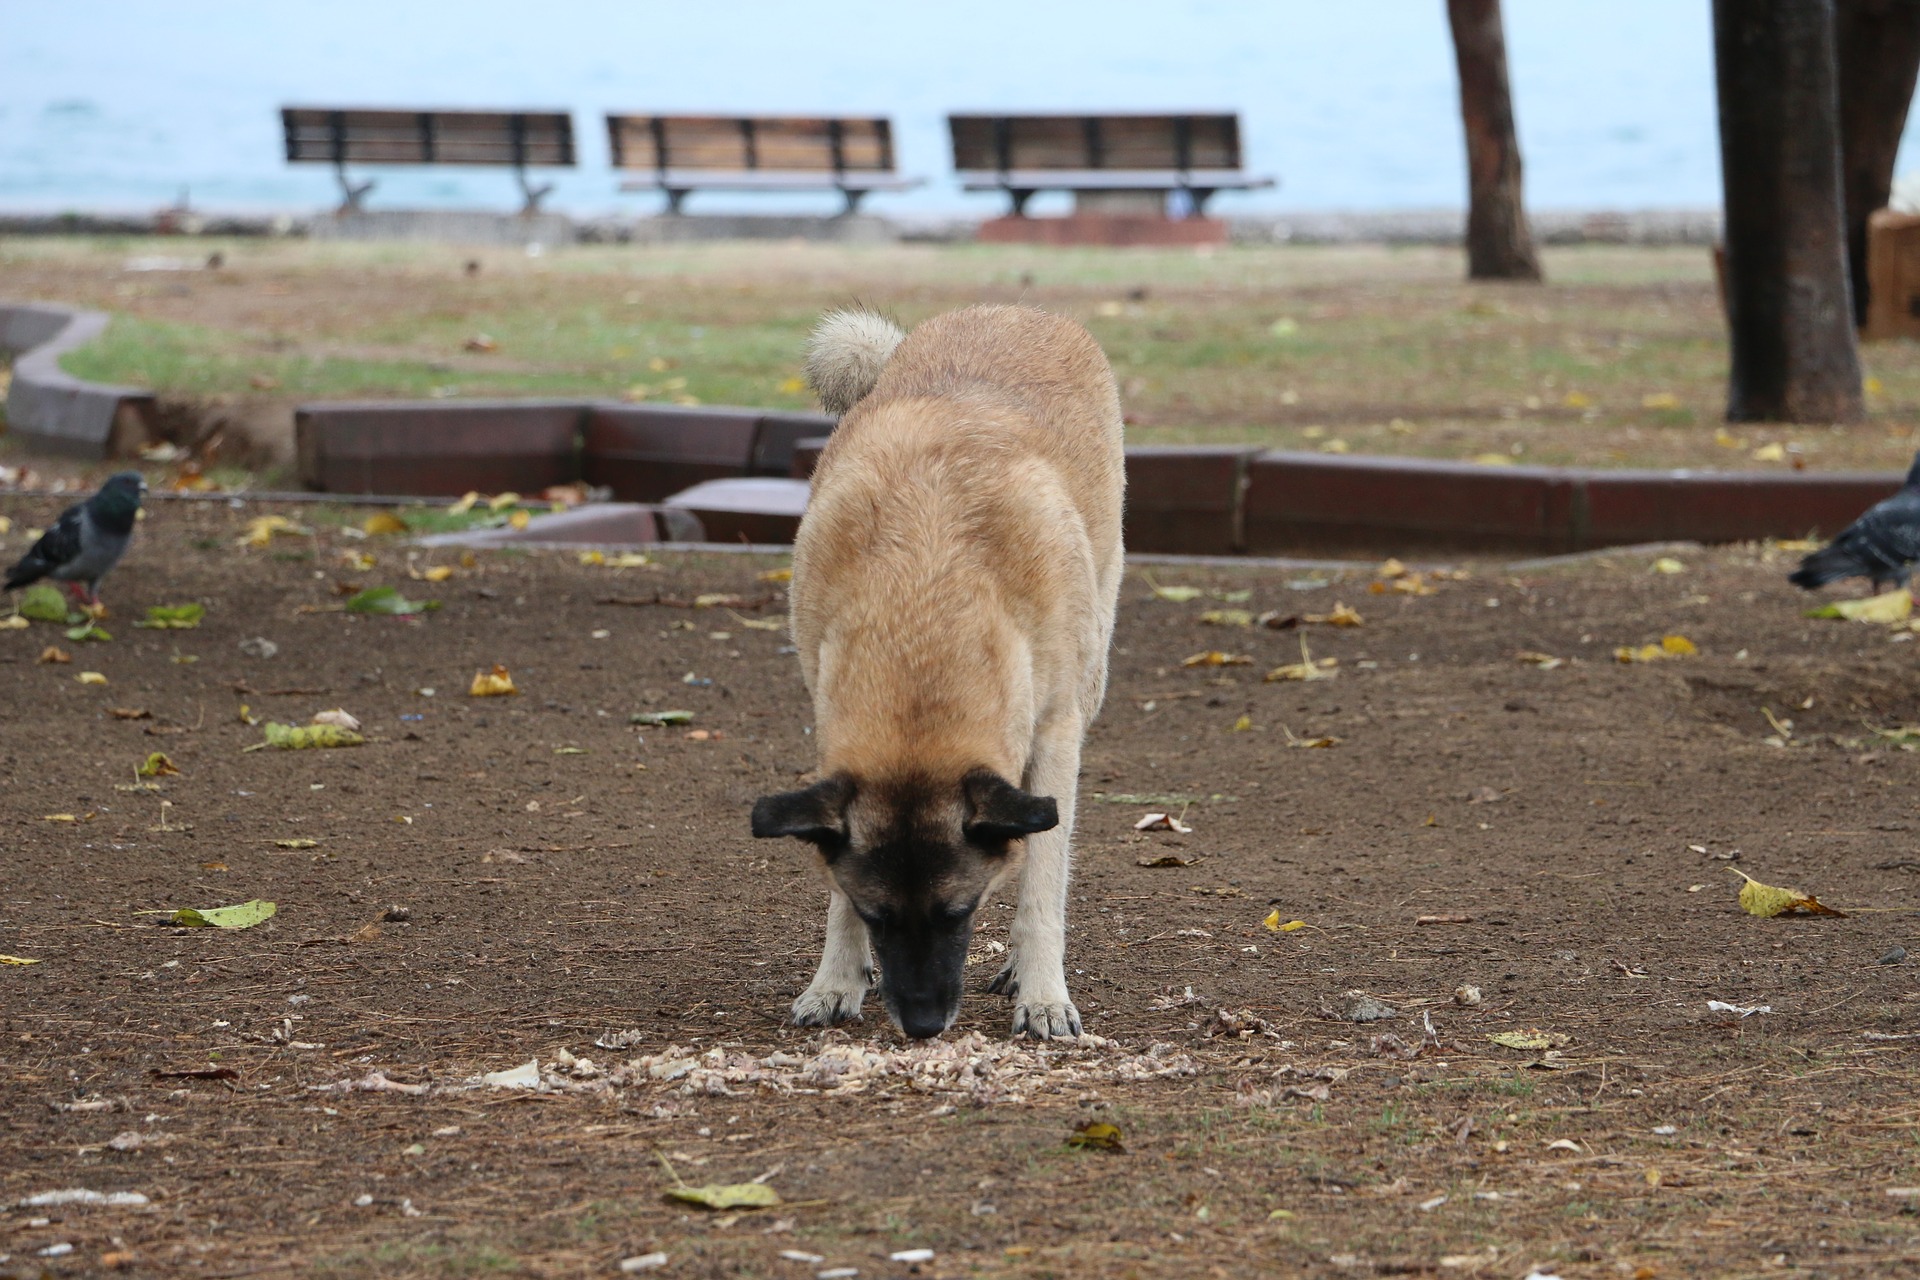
(1882,544)
(86,541)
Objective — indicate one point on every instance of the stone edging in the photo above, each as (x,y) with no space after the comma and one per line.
(51,409)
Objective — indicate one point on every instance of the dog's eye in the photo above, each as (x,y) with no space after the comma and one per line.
(955,914)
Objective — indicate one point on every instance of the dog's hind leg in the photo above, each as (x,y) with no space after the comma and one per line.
(1036,971)
(845,973)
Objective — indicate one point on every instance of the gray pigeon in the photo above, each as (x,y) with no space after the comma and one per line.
(1881,545)
(86,541)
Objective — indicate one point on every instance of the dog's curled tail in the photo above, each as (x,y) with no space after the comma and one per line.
(845,355)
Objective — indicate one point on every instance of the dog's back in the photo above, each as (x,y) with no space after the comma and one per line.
(964,529)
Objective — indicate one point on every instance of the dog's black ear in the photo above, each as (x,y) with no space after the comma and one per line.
(818,814)
(998,810)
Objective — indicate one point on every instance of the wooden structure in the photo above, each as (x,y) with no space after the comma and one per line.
(683,154)
(1115,164)
(1893,269)
(344,136)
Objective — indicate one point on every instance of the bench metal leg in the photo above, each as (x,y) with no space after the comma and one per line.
(1020,199)
(1199,196)
(853,201)
(530,194)
(676,199)
(353,194)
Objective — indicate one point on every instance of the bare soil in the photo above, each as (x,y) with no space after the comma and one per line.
(498,880)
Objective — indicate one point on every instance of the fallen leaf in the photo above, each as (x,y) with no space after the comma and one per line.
(1096,1136)
(1660,400)
(14,622)
(524,1076)
(1757,899)
(1227,618)
(1391,568)
(17,960)
(305,737)
(465,504)
(261,529)
(1544,661)
(571,751)
(91,677)
(130,713)
(1176,594)
(297,844)
(1774,452)
(1667,564)
(1305,669)
(60,817)
(1215,658)
(735,1195)
(480,343)
(89,632)
(492,684)
(434,573)
(520,519)
(660,718)
(43,602)
(1167,860)
(1675,646)
(173,617)
(1241,725)
(338,718)
(157,766)
(1162,822)
(387,601)
(242,915)
(1341,616)
(777,575)
(1892,606)
(1493,459)
(1531,1039)
(54,653)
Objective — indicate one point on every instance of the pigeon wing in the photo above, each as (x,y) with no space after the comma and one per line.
(58,546)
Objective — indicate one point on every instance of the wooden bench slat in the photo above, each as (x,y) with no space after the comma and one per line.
(749,143)
(381,136)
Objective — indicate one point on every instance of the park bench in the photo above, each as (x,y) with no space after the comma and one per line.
(322,135)
(682,154)
(1125,164)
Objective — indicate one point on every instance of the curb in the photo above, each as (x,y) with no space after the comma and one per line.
(48,407)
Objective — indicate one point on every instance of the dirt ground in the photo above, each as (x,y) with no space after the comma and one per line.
(498,880)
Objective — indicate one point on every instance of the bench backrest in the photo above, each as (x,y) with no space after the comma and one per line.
(1179,142)
(517,138)
(802,144)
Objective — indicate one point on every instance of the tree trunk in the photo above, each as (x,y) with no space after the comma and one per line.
(1499,243)
(1789,308)
(1877,49)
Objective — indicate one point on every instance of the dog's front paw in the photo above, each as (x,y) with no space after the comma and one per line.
(1046,1019)
(824,1006)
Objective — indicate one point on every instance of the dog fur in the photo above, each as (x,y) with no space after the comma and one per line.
(954,586)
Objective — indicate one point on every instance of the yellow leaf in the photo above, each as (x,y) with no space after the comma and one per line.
(593,557)
(1675,646)
(384,522)
(1227,618)
(1342,616)
(308,736)
(501,501)
(91,677)
(1177,595)
(1874,386)
(1667,564)
(14,622)
(1391,568)
(1544,661)
(359,561)
(1530,1038)
(1678,646)
(519,519)
(1215,658)
(1758,899)
(492,684)
(157,766)
(435,573)
(1097,1136)
(1273,920)
(17,960)
(1660,400)
(1775,452)
(297,844)
(1244,723)
(60,817)
(792,386)
(1727,440)
(466,503)
(1494,459)
(739,1195)
(1891,606)
(260,530)
(1578,400)
(777,575)
(1334,446)
(1305,669)
(1292,926)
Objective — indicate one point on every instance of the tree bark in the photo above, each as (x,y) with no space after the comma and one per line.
(1499,242)
(1877,49)
(1789,307)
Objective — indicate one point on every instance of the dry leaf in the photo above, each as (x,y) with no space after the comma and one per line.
(1757,899)
(297,844)
(777,575)
(1544,661)
(1674,646)
(1660,400)
(492,684)
(1341,616)
(338,718)
(738,1195)
(1305,669)
(1096,1136)
(91,677)
(1177,595)
(157,766)
(1215,658)
(1241,725)
(1227,618)
(466,503)
(1391,568)
(1775,452)
(1162,822)
(1530,1038)
(54,653)
(1667,564)
(1892,606)
(130,713)
(1167,860)
(435,573)
(260,530)
(17,960)
(520,519)
(385,522)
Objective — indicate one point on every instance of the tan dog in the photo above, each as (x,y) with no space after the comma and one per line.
(954,584)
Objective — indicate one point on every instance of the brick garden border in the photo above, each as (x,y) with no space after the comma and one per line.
(723,464)
(51,409)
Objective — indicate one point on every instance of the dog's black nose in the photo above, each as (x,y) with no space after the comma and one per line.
(923,1023)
